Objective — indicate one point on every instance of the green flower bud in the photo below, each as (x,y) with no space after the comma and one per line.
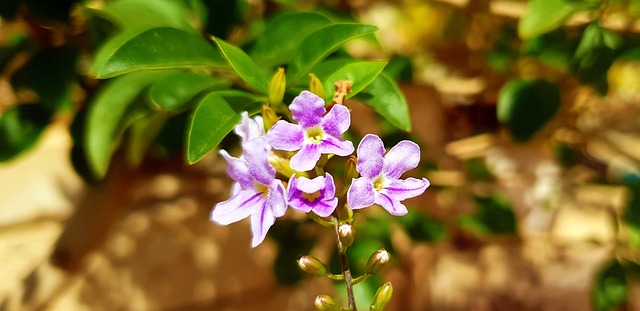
(382,297)
(350,171)
(377,261)
(326,303)
(347,234)
(315,86)
(277,87)
(269,117)
(313,266)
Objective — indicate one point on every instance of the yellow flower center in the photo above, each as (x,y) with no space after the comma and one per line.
(379,183)
(311,196)
(315,134)
(262,189)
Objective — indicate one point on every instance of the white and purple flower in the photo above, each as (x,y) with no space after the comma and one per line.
(248,128)
(260,195)
(314,134)
(380,181)
(316,195)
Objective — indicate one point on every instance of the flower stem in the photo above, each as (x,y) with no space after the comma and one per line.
(348,280)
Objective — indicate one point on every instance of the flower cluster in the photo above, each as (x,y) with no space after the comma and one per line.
(259,194)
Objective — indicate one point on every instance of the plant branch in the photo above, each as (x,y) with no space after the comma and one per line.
(348,280)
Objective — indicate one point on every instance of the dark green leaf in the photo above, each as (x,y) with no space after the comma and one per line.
(176,91)
(610,288)
(360,73)
(595,53)
(319,44)
(20,128)
(158,48)
(141,15)
(216,115)
(543,16)
(244,66)
(107,114)
(384,96)
(142,134)
(282,36)
(49,73)
(525,106)
(421,227)
(493,215)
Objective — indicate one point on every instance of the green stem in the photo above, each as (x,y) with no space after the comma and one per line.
(345,270)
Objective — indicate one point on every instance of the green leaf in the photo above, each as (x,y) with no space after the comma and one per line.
(244,66)
(20,128)
(360,73)
(543,16)
(595,53)
(493,215)
(145,14)
(421,227)
(158,48)
(107,114)
(282,36)
(384,96)
(142,134)
(175,92)
(610,288)
(319,44)
(525,106)
(50,74)
(214,117)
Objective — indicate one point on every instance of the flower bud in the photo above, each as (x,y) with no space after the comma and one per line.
(350,171)
(313,266)
(382,297)
(377,261)
(347,234)
(315,86)
(277,87)
(269,117)
(326,303)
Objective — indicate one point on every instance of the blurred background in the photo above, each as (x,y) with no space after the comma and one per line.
(527,113)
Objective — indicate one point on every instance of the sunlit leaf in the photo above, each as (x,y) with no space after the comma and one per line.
(610,288)
(384,96)
(543,16)
(20,128)
(142,134)
(244,66)
(319,44)
(105,118)
(283,34)
(158,48)
(145,14)
(214,117)
(360,73)
(176,91)
(525,106)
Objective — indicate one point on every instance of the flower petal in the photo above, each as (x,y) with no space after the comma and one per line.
(394,207)
(277,198)
(256,155)
(402,157)
(238,207)
(360,194)
(326,207)
(336,145)
(329,186)
(285,136)
(238,170)
(306,158)
(308,109)
(337,120)
(260,224)
(311,185)
(403,189)
(249,128)
(370,156)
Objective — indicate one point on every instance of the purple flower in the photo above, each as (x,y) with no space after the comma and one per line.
(317,195)
(249,128)
(260,195)
(379,182)
(314,134)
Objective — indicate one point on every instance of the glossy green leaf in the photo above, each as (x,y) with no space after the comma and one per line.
(107,114)
(142,134)
(282,36)
(244,66)
(360,73)
(158,48)
(610,288)
(175,92)
(214,117)
(543,16)
(145,14)
(319,44)
(384,96)
(525,106)
(20,128)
